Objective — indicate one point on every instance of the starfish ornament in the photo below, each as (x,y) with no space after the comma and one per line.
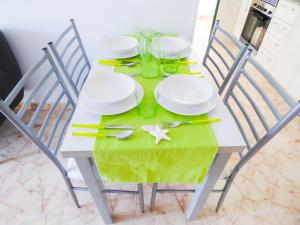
(157,132)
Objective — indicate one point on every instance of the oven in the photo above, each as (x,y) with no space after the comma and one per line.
(257,21)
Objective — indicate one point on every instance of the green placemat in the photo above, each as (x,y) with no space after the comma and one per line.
(185,159)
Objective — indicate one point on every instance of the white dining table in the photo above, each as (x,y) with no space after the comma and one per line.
(81,148)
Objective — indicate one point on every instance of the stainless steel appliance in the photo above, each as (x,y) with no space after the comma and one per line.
(257,21)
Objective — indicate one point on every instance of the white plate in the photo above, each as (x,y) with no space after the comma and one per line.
(186,109)
(120,107)
(108,88)
(186,90)
(120,45)
(173,45)
(183,55)
(119,56)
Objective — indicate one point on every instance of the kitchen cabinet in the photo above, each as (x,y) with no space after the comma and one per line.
(286,67)
(273,44)
(279,52)
(281,26)
(287,10)
(279,29)
(266,58)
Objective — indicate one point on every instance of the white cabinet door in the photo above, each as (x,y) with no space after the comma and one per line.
(286,70)
(273,44)
(279,29)
(287,11)
(266,59)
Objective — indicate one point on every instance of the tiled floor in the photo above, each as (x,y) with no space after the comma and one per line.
(266,191)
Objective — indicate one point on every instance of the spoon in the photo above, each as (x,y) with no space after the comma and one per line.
(129,64)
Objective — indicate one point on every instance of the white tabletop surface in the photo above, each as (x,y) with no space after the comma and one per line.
(227,133)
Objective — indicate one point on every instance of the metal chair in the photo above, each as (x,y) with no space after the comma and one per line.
(71,56)
(46,123)
(257,130)
(223,54)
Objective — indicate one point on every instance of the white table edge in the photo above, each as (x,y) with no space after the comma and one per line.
(85,154)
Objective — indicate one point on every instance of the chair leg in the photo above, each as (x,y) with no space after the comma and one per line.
(153,196)
(224,193)
(72,192)
(141,197)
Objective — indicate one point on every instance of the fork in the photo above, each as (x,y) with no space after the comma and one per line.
(178,123)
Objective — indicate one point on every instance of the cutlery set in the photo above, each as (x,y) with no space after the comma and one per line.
(131,63)
(111,94)
(129,130)
(179,123)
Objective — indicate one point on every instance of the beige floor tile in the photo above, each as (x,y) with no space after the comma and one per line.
(290,220)
(240,219)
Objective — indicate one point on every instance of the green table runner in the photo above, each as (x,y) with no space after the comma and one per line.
(185,159)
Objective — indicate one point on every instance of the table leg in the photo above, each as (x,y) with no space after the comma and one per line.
(203,190)
(95,186)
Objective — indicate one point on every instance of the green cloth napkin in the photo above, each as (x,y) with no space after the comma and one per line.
(185,159)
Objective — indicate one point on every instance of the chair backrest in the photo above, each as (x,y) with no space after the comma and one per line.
(44,124)
(71,56)
(259,105)
(223,54)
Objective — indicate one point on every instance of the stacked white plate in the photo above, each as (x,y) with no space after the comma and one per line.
(120,47)
(186,95)
(110,94)
(174,47)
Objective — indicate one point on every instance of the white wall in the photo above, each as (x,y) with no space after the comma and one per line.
(206,10)
(228,14)
(207,7)
(29,25)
